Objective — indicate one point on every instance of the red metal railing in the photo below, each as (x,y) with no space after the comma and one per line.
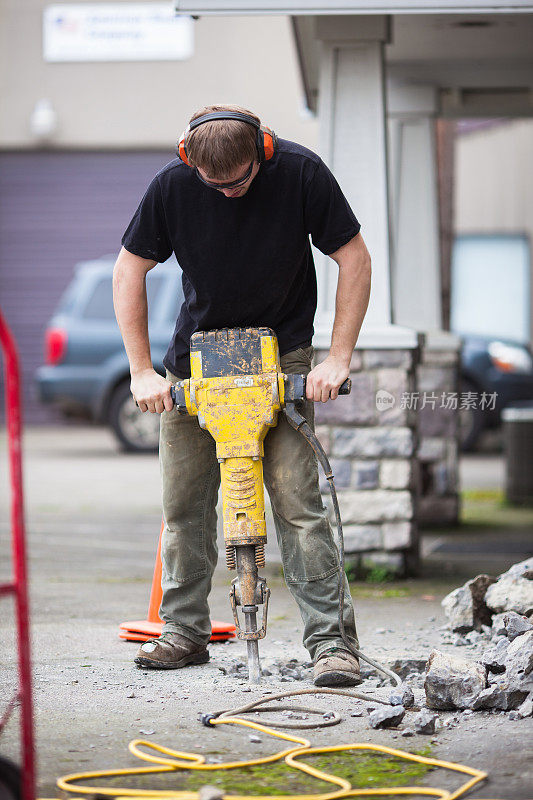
(19,584)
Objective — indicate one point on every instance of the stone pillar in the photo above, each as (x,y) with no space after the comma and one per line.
(372,439)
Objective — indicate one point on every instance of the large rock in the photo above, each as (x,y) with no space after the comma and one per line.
(519,662)
(501,696)
(513,591)
(465,607)
(425,722)
(494,658)
(498,625)
(511,687)
(386,716)
(526,709)
(453,682)
(515,624)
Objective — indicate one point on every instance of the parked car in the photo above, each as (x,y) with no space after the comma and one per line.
(501,369)
(87,371)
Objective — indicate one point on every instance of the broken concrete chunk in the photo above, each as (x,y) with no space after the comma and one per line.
(498,625)
(500,696)
(453,682)
(408,698)
(519,662)
(459,609)
(402,696)
(494,656)
(523,569)
(395,698)
(516,624)
(425,722)
(386,716)
(513,591)
(526,708)
(465,607)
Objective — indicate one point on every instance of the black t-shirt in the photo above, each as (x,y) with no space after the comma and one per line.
(246,261)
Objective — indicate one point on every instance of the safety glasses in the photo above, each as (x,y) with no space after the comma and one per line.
(231,184)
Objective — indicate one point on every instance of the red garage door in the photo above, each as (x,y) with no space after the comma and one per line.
(57,209)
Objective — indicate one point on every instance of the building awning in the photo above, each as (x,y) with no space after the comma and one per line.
(300,7)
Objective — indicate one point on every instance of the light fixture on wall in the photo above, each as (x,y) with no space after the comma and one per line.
(43,120)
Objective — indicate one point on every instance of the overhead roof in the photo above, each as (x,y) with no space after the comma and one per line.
(290,7)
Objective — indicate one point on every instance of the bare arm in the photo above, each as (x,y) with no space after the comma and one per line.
(351,303)
(150,390)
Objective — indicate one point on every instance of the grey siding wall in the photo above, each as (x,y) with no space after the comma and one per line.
(58,208)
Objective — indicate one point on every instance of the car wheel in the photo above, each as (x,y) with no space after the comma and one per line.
(137,432)
(10,780)
(471,420)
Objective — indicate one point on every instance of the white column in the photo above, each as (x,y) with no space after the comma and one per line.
(416,299)
(354,146)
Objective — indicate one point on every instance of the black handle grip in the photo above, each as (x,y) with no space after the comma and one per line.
(177,395)
(295,388)
(346,387)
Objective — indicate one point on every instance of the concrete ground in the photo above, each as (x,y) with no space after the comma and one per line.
(93,517)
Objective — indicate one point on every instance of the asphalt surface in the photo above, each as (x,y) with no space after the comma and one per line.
(93,517)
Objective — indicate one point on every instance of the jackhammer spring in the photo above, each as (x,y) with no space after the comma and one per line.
(230,557)
(260,555)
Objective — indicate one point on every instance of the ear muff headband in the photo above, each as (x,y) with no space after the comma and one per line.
(265,141)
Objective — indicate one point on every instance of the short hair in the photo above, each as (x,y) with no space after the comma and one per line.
(221,146)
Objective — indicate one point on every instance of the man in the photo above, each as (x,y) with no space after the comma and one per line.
(237,210)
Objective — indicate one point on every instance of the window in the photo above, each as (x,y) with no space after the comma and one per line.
(490,286)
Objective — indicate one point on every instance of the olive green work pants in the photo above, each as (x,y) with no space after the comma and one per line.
(191,478)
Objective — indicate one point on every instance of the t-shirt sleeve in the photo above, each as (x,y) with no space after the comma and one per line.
(328,216)
(147,234)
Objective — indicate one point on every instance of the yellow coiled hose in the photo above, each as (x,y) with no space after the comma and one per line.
(168,760)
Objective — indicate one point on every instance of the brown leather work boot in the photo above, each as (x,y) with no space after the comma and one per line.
(171,651)
(336,667)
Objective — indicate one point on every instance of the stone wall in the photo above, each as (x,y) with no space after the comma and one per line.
(371,439)
(438,432)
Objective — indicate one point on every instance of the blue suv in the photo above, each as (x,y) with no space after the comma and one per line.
(87,371)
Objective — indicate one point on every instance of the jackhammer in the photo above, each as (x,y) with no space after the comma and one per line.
(237,390)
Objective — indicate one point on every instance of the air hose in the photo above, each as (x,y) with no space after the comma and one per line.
(300,424)
(167,760)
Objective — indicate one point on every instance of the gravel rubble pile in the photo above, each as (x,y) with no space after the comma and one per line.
(500,678)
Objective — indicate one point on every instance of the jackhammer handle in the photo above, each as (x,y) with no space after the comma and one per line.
(294,390)
(177,395)
(295,387)
(344,388)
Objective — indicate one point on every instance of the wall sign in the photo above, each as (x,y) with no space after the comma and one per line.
(116,32)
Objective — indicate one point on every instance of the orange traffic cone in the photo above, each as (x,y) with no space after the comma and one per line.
(144,629)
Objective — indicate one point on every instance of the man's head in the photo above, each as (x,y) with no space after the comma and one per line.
(224,152)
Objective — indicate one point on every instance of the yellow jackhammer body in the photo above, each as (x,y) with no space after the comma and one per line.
(236,390)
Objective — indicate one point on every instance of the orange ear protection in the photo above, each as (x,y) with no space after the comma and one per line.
(265,140)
